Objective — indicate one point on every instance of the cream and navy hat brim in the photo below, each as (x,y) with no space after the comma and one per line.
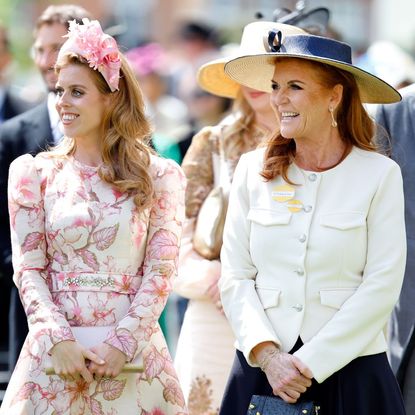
(256,71)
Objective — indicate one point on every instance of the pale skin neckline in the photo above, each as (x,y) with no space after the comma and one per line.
(83,164)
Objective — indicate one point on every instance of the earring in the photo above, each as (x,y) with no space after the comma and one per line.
(333,120)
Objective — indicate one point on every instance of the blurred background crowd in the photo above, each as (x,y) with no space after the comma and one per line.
(166,42)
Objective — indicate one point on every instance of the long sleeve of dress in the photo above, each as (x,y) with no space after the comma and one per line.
(27,224)
(195,272)
(159,268)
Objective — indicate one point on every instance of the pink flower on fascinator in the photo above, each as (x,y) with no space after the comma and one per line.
(99,49)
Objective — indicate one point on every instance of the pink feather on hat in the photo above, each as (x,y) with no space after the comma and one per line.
(99,49)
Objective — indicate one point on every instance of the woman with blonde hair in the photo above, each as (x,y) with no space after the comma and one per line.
(206,343)
(95,227)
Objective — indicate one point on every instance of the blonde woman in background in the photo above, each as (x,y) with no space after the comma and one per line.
(205,348)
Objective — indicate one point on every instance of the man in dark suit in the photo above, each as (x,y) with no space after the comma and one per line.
(10,104)
(31,132)
(398,122)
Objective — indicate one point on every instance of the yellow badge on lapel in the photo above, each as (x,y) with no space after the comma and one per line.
(294,205)
(283,192)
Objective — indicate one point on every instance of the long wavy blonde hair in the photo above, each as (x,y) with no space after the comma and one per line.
(236,135)
(356,128)
(125,135)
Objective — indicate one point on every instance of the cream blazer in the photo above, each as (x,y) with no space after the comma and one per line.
(323,259)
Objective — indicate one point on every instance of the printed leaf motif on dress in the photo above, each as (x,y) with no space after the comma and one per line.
(163,245)
(25,392)
(112,388)
(96,407)
(32,241)
(105,237)
(172,392)
(123,340)
(89,258)
(154,363)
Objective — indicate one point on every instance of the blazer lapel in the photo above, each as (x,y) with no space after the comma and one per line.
(36,131)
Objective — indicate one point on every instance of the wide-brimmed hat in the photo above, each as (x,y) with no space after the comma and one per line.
(211,76)
(257,70)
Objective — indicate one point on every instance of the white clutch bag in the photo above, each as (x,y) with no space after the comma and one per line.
(92,336)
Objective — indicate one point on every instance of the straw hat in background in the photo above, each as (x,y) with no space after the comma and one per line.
(211,76)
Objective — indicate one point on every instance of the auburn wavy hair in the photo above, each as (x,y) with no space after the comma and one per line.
(125,135)
(355,126)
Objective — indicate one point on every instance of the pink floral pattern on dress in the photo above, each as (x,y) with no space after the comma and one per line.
(84,256)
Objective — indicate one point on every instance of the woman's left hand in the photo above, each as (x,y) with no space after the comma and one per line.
(114,361)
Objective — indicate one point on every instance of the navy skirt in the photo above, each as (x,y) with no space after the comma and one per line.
(366,386)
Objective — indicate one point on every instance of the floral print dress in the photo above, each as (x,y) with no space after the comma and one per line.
(84,256)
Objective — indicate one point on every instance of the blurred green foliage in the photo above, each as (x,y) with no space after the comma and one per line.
(14,16)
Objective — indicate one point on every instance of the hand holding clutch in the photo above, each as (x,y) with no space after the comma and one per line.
(69,360)
(114,361)
(90,337)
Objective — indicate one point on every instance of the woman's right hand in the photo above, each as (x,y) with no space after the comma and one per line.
(68,359)
(286,374)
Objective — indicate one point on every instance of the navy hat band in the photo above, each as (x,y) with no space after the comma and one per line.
(312,46)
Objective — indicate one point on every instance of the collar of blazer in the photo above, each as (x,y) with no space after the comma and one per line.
(36,132)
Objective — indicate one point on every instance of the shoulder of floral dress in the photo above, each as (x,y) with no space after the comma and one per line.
(24,181)
(23,165)
(38,165)
(165,169)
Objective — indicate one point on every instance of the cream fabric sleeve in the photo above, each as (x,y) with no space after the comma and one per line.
(240,300)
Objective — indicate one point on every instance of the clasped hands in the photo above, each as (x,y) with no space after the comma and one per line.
(72,361)
(287,375)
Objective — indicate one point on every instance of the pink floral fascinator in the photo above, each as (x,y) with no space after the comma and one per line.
(99,49)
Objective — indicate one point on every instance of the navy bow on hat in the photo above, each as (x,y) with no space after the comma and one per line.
(310,46)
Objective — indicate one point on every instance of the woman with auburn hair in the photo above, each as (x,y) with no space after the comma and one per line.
(95,226)
(314,242)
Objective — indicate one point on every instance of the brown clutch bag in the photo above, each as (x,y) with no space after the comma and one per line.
(92,336)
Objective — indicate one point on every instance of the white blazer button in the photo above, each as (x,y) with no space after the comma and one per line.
(300,272)
(298,307)
(302,238)
(308,208)
(312,177)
